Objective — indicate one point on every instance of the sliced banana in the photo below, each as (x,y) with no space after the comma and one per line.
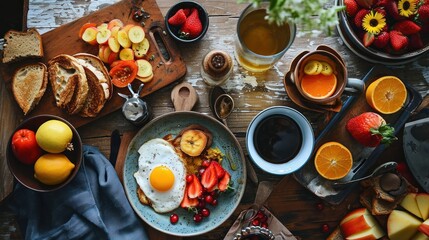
(326,69)
(313,68)
(193,142)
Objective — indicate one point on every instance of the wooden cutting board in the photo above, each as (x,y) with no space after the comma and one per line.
(168,66)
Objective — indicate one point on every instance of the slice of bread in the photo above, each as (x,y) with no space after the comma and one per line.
(100,87)
(20,45)
(69,83)
(29,84)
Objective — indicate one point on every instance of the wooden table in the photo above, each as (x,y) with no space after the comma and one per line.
(294,205)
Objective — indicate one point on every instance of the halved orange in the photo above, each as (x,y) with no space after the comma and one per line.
(319,86)
(333,160)
(387,94)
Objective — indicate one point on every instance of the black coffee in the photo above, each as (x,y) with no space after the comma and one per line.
(277,139)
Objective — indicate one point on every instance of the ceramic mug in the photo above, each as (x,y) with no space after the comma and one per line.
(344,83)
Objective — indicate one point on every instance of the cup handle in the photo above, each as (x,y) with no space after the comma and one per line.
(355,85)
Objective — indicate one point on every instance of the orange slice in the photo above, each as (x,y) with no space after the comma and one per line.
(387,94)
(333,160)
(319,86)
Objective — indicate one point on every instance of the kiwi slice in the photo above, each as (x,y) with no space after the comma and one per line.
(326,69)
(313,68)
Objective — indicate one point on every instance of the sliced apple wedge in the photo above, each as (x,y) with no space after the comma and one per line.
(354,214)
(123,39)
(136,34)
(90,35)
(420,236)
(409,203)
(424,227)
(140,49)
(144,68)
(102,26)
(401,225)
(126,54)
(84,27)
(103,35)
(115,23)
(422,200)
(358,225)
(372,233)
(114,44)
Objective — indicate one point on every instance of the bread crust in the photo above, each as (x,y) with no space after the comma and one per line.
(69,83)
(27,97)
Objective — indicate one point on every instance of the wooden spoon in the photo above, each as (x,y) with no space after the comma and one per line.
(184,97)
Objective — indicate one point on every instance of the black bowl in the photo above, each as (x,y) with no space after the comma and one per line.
(24,173)
(174,30)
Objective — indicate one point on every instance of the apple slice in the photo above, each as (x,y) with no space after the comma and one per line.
(410,204)
(354,214)
(102,26)
(123,39)
(145,79)
(115,23)
(144,68)
(126,54)
(136,34)
(373,233)
(420,236)
(90,35)
(140,49)
(127,27)
(84,27)
(112,57)
(422,200)
(114,44)
(424,227)
(357,225)
(114,30)
(401,225)
(104,52)
(103,35)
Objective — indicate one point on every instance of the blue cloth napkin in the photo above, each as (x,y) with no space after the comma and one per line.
(92,206)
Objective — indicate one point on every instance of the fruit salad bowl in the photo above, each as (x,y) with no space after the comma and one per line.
(379,33)
(24,173)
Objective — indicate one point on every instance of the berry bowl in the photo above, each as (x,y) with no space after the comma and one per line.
(22,146)
(187,21)
(382,38)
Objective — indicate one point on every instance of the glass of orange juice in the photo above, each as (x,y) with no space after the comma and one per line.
(258,43)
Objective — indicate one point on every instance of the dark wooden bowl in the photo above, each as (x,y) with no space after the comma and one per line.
(24,173)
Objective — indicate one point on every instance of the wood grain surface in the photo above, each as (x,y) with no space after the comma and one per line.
(293,204)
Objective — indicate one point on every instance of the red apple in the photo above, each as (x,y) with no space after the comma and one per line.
(410,204)
(24,146)
(401,225)
(90,35)
(373,233)
(422,200)
(358,225)
(424,227)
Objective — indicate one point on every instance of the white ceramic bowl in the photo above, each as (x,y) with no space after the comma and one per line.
(304,152)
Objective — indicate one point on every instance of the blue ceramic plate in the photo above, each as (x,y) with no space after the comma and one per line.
(173,123)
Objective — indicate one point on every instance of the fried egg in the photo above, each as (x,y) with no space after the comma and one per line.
(161,175)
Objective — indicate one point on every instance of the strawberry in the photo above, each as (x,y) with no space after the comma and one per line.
(193,26)
(382,3)
(195,189)
(187,11)
(365,3)
(209,177)
(224,182)
(188,203)
(220,172)
(423,13)
(351,7)
(381,40)
(398,41)
(392,10)
(416,41)
(178,18)
(359,17)
(407,27)
(368,39)
(370,129)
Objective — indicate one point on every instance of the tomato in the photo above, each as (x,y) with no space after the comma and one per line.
(123,73)
(24,146)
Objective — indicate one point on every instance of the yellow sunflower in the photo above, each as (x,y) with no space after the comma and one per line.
(373,22)
(407,7)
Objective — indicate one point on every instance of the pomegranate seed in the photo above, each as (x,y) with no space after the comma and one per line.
(214,194)
(260,215)
(174,218)
(201,171)
(198,217)
(189,178)
(208,199)
(320,206)
(264,225)
(214,202)
(205,212)
(205,163)
(255,222)
(201,204)
(325,228)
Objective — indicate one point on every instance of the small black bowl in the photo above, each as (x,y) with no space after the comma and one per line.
(25,173)
(174,30)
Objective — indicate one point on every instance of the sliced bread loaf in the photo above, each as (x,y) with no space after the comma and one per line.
(29,84)
(20,45)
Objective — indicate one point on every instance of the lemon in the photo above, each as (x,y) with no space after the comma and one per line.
(54,136)
(53,168)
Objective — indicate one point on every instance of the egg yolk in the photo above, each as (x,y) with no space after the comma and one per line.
(161,178)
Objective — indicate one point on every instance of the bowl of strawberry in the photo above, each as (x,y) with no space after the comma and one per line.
(391,32)
(187,21)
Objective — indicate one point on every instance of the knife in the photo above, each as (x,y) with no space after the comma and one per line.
(115,143)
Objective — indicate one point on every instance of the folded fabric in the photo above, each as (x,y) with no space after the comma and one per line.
(92,206)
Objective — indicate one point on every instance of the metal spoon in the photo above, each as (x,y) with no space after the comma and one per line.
(223,107)
(383,168)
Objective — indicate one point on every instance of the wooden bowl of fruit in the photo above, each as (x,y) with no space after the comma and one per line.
(44,153)
(388,32)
